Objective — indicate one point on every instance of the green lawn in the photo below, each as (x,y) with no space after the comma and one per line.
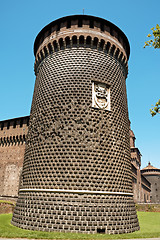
(149,223)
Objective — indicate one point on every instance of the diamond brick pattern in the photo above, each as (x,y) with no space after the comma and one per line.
(71,145)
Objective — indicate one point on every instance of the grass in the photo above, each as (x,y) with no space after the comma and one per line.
(149,223)
(7,202)
(143,207)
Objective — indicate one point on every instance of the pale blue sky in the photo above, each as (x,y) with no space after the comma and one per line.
(21,21)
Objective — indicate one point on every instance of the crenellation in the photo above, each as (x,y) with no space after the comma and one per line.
(79,40)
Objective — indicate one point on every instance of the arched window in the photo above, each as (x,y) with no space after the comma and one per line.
(88,41)
(121,56)
(42,56)
(117,53)
(95,42)
(113,49)
(61,44)
(74,41)
(107,47)
(81,41)
(39,58)
(45,51)
(50,48)
(55,45)
(101,45)
(67,40)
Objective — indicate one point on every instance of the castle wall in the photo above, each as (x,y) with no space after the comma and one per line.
(12,146)
(155,187)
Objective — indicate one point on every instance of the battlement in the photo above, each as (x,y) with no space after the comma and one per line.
(81,31)
(13,131)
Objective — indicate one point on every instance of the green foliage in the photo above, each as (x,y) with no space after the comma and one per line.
(7,202)
(155,109)
(149,224)
(143,207)
(155,42)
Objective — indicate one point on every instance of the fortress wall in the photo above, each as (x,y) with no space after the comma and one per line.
(12,146)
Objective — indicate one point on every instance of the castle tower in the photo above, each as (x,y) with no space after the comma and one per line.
(77,172)
(153,176)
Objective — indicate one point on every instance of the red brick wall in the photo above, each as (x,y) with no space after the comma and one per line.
(12,147)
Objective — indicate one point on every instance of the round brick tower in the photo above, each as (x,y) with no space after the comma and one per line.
(77,172)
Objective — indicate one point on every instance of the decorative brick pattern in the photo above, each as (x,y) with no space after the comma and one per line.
(73,146)
(75,213)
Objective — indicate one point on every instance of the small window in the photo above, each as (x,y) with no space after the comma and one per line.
(80,23)
(68,23)
(2,126)
(21,123)
(14,124)
(95,42)
(58,27)
(45,51)
(112,50)
(102,27)
(81,41)
(8,125)
(55,46)
(111,32)
(91,24)
(50,48)
(28,122)
(101,230)
(88,41)
(61,43)
(67,39)
(101,45)
(107,47)
(74,41)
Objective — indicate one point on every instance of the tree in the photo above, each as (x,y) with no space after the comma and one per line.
(155,42)
(156,109)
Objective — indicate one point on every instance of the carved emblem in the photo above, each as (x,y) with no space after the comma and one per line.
(100,96)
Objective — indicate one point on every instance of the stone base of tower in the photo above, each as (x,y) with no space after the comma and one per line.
(66,212)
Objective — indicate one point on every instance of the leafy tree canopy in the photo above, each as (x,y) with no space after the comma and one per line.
(156,109)
(155,42)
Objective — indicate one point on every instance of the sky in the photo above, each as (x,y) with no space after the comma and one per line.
(21,21)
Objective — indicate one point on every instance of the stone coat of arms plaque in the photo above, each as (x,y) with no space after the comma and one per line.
(100,96)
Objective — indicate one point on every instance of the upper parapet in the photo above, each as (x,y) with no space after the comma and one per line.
(81,31)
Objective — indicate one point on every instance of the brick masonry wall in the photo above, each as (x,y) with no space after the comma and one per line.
(77,171)
(12,146)
(154,179)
